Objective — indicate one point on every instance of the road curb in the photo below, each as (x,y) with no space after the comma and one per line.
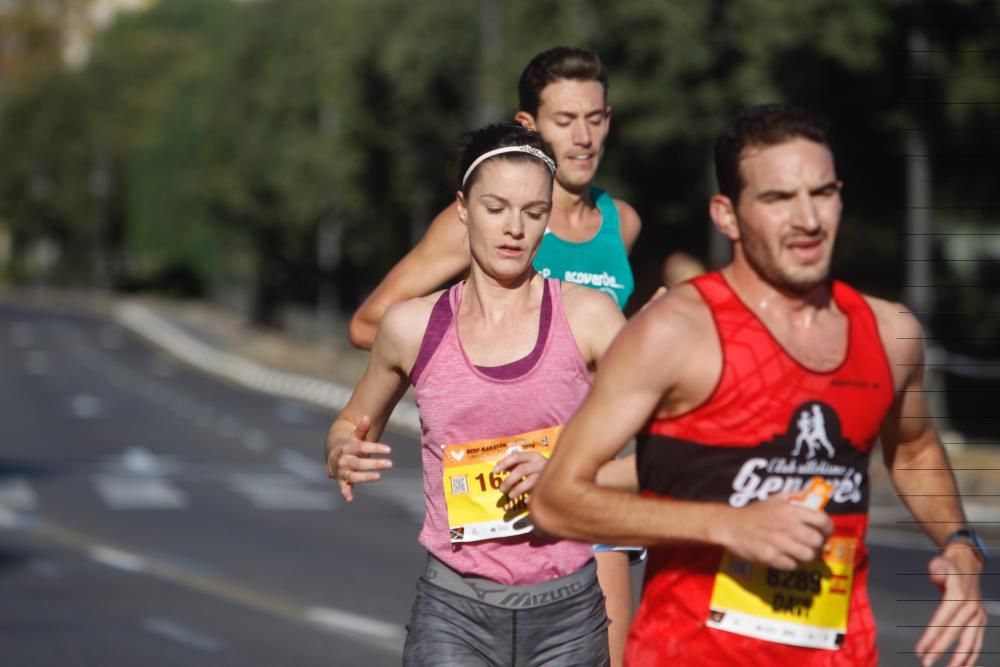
(161,332)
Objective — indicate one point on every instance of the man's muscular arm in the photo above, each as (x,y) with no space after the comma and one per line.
(922,475)
(654,357)
(441,255)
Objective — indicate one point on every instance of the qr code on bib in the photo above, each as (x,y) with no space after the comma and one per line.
(459,485)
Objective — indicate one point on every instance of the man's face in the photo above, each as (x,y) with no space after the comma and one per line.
(574,118)
(788,212)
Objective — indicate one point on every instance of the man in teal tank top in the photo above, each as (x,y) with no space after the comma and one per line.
(563,96)
(600,262)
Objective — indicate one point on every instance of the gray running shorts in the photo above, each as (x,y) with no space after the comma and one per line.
(471,622)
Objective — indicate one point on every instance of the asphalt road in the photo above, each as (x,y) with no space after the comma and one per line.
(150,515)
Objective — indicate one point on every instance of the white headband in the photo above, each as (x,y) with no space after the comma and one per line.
(530,150)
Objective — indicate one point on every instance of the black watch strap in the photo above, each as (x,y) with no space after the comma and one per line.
(970,537)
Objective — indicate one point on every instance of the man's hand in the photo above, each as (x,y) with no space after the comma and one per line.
(523,469)
(350,461)
(960,617)
(775,532)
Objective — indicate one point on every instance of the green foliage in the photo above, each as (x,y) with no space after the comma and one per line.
(164,128)
(45,173)
(211,139)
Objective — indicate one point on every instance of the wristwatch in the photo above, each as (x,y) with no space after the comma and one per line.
(972,538)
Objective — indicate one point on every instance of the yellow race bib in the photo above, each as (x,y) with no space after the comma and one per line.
(805,607)
(477,509)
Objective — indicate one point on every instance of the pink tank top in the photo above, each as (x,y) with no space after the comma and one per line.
(460,402)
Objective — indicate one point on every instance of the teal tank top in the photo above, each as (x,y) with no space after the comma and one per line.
(601,262)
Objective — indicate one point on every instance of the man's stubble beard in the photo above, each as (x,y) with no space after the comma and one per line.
(765,264)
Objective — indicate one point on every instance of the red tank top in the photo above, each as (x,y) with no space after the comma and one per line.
(769,426)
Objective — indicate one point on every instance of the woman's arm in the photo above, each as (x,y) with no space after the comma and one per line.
(352,454)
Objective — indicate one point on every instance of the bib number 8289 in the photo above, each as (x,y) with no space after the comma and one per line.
(796,580)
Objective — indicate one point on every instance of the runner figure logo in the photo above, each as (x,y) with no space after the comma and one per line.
(813,445)
(812,432)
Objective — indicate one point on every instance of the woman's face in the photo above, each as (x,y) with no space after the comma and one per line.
(506,212)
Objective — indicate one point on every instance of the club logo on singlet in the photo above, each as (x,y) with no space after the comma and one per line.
(813,445)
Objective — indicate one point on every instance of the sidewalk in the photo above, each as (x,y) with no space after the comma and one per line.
(322,370)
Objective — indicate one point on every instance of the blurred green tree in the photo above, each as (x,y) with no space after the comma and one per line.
(45,188)
(171,240)
(303,146)
(280,153)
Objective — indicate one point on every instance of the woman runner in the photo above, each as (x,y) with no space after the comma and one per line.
(498,363)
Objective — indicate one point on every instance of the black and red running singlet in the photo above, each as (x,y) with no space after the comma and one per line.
(770,426)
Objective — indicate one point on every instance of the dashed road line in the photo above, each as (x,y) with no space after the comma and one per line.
(302,466)
(355,627)
(129,492)
(17,494)
(345,621)
(182,635)
(85,406)
(119,560)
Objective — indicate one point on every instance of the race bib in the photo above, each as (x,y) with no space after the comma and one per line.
(805,607)
(477,509)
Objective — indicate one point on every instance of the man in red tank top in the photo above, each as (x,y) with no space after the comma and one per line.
(757,393)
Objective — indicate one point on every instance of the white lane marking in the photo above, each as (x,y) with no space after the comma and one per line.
(336,619)
(269,491)
(36,363)
(9,520)
(21,334)
(118,559)
(16,494)
(139,493)
(302,466)
(85,406)
(141,461)
(230,591)
(255,440)
(992,608)
(186,637)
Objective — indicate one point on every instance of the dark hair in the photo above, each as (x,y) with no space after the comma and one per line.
(499,135)
(561,62)
(761,126)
